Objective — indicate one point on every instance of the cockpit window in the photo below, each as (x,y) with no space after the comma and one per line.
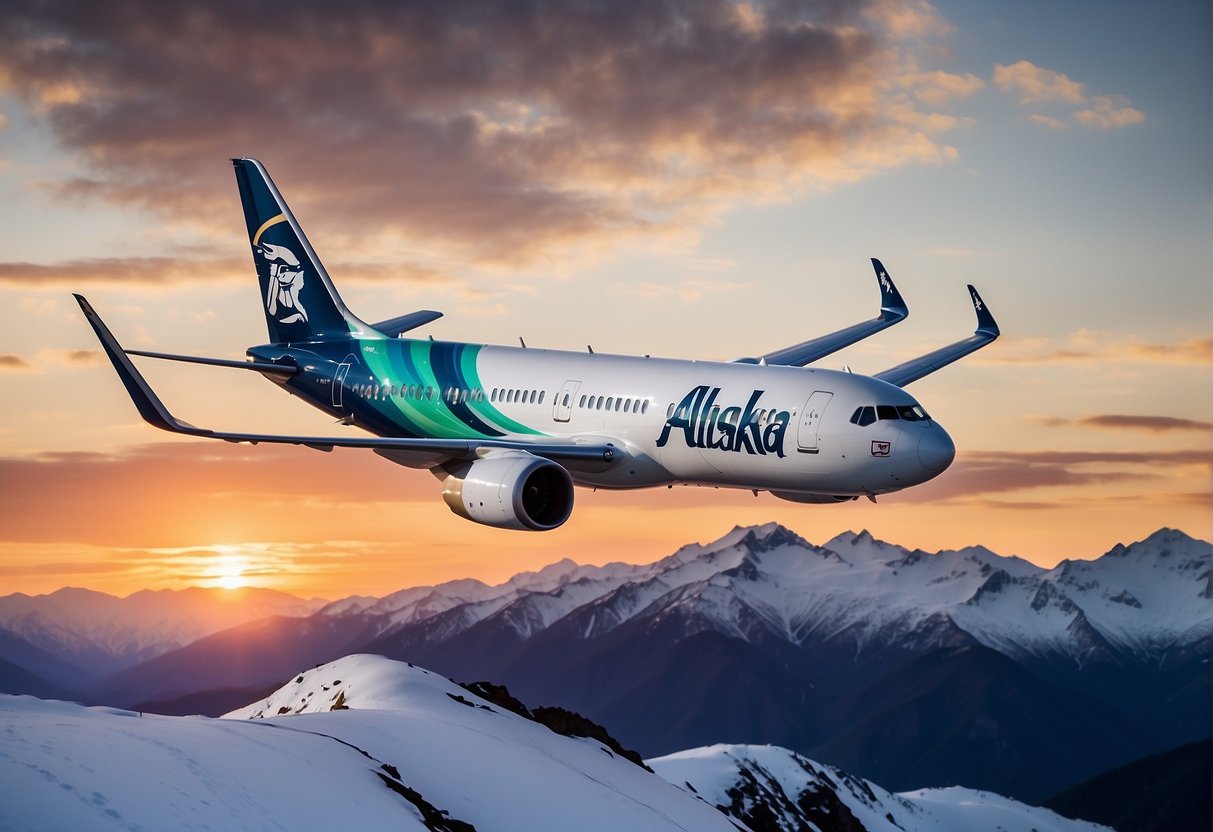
(867,414)
(863,416)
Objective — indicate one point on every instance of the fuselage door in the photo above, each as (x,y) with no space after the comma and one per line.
(810,420)
(339,383)
(562,408)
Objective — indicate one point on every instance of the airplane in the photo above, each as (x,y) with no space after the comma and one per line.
(510,431)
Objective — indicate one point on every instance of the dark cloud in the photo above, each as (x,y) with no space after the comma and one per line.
(976,476)
(11,362)
(500,128)
(1151,424)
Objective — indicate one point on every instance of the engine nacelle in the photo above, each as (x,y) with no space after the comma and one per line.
(802,497)
(512,490)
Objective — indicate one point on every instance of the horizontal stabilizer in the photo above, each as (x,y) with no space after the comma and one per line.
(914,369)
(259,366)
(892,310)
(155,413)
(394,327)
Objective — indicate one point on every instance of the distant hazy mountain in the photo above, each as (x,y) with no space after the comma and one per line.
(101,633)
(377,744)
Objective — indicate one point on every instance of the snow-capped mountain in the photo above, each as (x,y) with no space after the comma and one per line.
(772,788)
(1139,602)
(846,651)
(100,633)
(375,744)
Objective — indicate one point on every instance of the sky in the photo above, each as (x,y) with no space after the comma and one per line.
(685,179)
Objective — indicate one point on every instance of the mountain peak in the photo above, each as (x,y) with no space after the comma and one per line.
(1163,543)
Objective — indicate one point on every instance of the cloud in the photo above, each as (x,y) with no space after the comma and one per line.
(169,271)
(976,476)
(1087,347)
(1150,424)
(1048,121)
(1109,112)
(1034,85)
(11,362)
(495,132)
(938,88)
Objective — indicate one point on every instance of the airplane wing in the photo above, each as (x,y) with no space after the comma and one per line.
(259,366)
(155,413)
(892,310)
(924,365)
(395,327)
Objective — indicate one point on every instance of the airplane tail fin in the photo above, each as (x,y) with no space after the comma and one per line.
(300,301)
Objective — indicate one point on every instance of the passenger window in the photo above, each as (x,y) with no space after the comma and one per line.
(644,407)
(669,411)
(618,404)
(609,401)
(886,411)
(535,394)
(429,392)
(582,402)
(566,400)
(493,395)
(541,392)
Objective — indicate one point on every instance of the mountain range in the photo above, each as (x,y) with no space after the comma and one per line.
(910,668)
(380,744)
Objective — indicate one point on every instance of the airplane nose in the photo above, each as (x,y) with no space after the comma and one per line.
(936,450)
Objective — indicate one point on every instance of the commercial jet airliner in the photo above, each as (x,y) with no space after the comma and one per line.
(510,430)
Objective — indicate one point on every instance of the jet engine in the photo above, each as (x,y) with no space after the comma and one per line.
(803,497)
(511,490)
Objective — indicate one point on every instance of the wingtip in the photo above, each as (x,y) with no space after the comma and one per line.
(891,300)
(985,320)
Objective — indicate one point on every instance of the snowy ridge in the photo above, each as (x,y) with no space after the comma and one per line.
(765,582)
(375,744)
(381,744)
(770,785)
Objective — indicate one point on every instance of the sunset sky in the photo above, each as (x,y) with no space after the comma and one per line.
(686,179)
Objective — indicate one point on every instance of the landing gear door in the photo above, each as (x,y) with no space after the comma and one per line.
(339,383)
(810,420)
(562,407)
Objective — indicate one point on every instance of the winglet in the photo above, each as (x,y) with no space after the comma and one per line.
(985,321)
(891,300)
(987,331)
(149,405)
(893,310)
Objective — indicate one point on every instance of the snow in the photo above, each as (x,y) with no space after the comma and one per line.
(64,766)
(778,778)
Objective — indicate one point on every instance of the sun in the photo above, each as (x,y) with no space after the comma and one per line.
(229,572)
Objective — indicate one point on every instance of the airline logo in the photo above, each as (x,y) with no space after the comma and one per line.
(881,448)
(285,284)
(736,429)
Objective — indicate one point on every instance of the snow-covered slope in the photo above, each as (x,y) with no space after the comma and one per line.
(771,786)
(375,744)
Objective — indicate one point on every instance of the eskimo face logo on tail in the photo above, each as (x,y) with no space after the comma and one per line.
(286,282)
(738,429)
